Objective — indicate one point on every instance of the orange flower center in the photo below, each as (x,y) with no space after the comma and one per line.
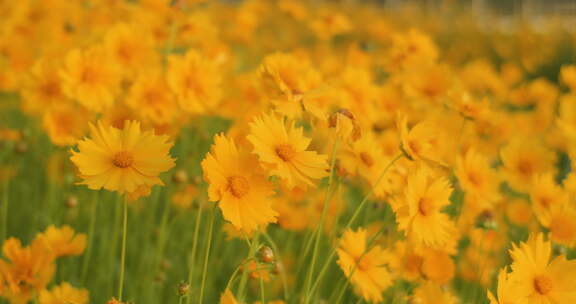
(89,75)
(367,159)
(238,186)
(425,206)
(285,152)
(123,159)
(525,167)
(542,284)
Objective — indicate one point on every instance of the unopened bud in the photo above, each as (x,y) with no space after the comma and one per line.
(180,177)
(183,289)
(71,202)
(266,255)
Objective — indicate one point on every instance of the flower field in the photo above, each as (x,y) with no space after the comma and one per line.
(287,151)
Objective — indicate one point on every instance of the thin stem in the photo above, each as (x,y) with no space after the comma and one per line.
(207,255)
(5,210)
(193,252)
(262,295)
(93,214)
(351,221)
(123,253)
(251,254)
(321,223)
(282,273)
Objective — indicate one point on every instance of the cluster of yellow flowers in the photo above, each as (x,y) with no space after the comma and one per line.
(27,271)
(411,155)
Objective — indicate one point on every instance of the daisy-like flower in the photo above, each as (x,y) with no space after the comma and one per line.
(63,294)
(364,268)
(283,150)
(431,293)
(91,78)
(476,177)
(129,51)
(523,160)
(242,190)
(150,97)
(63,241)
(43,88)
(505,291)
(537,278)
(419,142)
(545,194)
(419,213)
(122,160)
(195,81)
(65,123)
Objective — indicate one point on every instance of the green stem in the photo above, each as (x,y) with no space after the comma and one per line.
(207,255)
(251,253)
(262,295)
(5,210)
(351,221)
(93,215)
(123,253)
(278,260)
(321,223)
(192,258)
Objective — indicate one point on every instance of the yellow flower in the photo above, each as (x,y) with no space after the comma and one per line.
(242,190)
(62,241)
(418,210)
(150,97)
(129,50)
(228,298)
(523,160)
(195,81)
(29,269)
(431,293)
(91,78)
(43,89)
(287,80)
(122,160)
(568,76)
(364,267)
(476,177)
(505,290)
(561,224)
(419,142)
(329,23)
(283,150)
(537,278)
(63,294)
(65,123)
(546,194)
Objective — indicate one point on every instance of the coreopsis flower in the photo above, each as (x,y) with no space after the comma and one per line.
(536,277)
(63,294)
(419,142)
(26,270)
(122,160)
(329,23)
(129,50)
(150,97)
(419,210)
(91,78)
(65,123)
(288,81)
(62,241)
(243,191)
(228,298)
(43,89)
(568,76)
(345,125)
(476,177)
(413,49)
(523,160)
(505,290)
(561,224)
(283,151)
(195,81)
(432,293)
(364,267)
(545,194)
